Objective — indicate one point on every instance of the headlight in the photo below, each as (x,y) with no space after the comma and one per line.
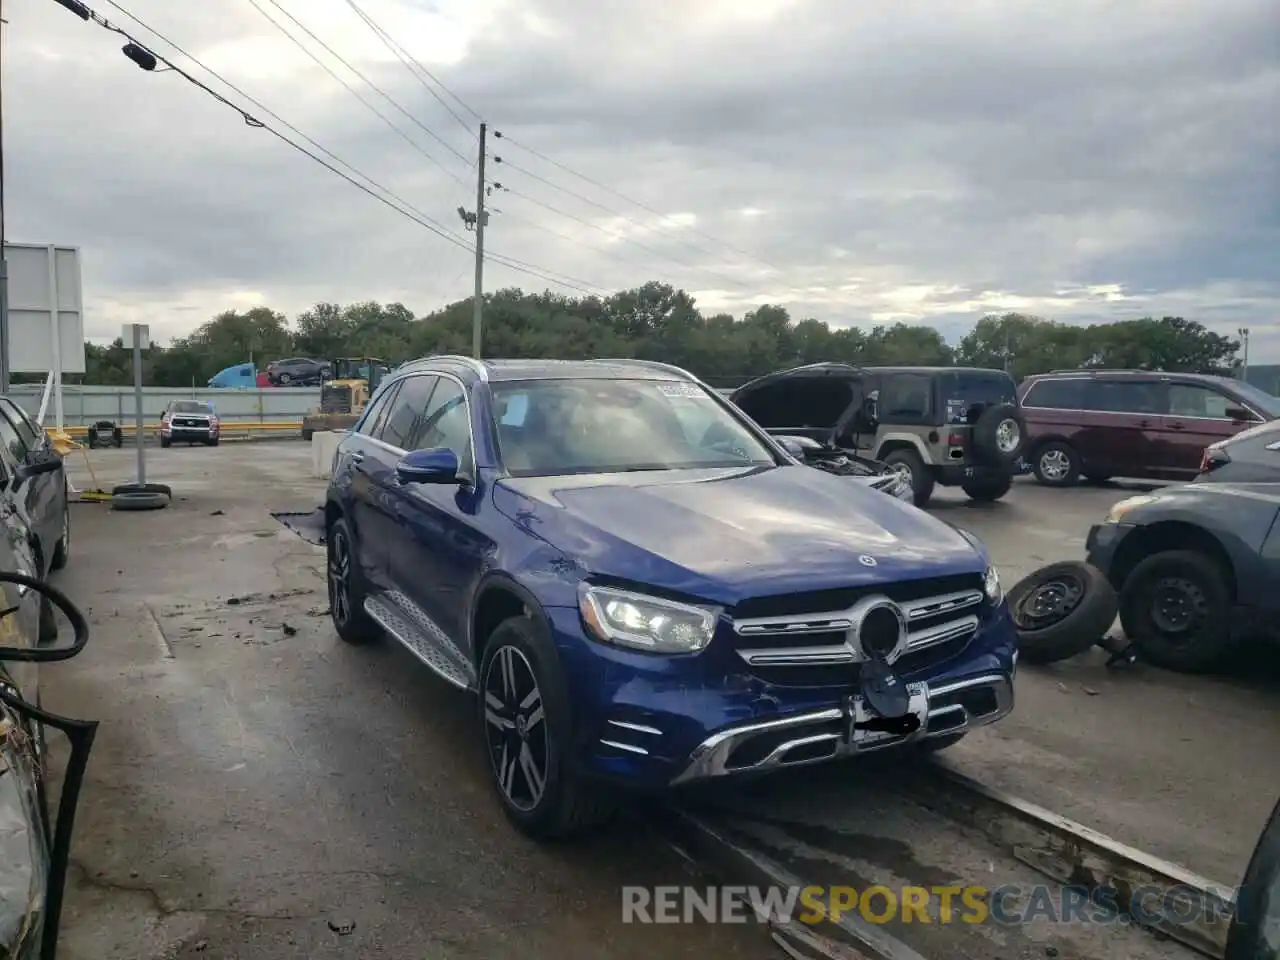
(646,623)
(991,585)
(1124,506)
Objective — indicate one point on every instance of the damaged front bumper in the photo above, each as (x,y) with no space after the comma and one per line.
(946,708)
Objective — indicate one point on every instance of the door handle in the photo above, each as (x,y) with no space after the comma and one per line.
(1144,424)
(1177,426)
(357,459)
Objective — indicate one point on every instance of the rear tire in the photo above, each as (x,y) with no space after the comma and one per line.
(347,589)
(527,725)
(1169,584)
(1056,464)
(987,490)
(999,435)
(908,463)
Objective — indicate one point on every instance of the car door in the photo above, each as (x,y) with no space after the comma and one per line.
(1120,424)
(1196,416)
(367,461)
(50,488)
(30,497)
(439,553)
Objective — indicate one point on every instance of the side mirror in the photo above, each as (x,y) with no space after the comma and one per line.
(438,465)
(1239,415)
(36,469)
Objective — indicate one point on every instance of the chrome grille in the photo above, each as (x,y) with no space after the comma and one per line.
(819,639)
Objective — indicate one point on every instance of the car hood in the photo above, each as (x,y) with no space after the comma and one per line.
(726,535)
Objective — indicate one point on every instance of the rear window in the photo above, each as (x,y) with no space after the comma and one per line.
(191,406)
(1054,395)
(964,389)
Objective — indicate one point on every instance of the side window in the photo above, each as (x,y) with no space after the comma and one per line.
(904,395)
(377,412)
(12,441)
(1116,396)
(406,408)
(445,422)
(1190,400)
(27,429)
(1054,395)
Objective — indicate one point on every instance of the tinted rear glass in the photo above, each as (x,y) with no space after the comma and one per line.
(963,389)
(1054,395)
(190,406)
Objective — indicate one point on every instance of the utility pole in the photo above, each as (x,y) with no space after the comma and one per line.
(478,318)
(1244,366)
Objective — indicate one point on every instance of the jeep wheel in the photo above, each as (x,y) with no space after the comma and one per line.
(524,709)
(908,463)
(1176,606)
(987,489)
(999,435)
(1056,464)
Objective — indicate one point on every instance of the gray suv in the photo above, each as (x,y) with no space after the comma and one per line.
(955,426)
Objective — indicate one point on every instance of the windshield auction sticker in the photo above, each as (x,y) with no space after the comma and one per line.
(687,391)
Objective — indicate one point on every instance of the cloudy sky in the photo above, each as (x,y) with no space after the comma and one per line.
(859,162)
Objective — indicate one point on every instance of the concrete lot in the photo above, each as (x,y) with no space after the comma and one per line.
(256,780)
(256,783)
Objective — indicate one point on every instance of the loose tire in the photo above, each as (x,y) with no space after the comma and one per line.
(1176,606)
(1056,464)
(524,710)
(987,489)
(1061,610)
(999,435)
(908,463)
(346,587)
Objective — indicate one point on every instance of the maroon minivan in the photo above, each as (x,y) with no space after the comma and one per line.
(1132,423)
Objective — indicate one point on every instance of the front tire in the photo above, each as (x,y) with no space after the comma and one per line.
(1057,464)
(1176,606)
(346,587)
(524,710)
(908,463)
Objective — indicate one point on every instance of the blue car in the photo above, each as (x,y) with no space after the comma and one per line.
(643,588)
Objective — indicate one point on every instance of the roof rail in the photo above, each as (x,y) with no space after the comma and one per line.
(1089,371)
(652,364)
(480,369)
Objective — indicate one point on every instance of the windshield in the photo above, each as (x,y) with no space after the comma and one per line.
(1264,402)
(553,427)
(190,406)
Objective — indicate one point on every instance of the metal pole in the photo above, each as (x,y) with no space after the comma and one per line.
(478,316)
(137,402)
(5,366)
(1245,373)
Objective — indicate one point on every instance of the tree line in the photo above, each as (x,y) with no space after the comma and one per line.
(656,322)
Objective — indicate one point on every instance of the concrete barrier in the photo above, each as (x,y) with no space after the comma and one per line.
(323,446)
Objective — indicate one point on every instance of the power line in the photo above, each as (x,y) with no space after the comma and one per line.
(337,56)
(410,63)
(622,196)
(614,234)
(139,54)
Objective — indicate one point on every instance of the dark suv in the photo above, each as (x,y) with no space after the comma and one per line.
(643,589)
(955,426)
(297,372)
(1132,423)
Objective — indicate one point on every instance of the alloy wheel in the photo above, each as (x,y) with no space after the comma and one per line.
(1008,436)
(516,728)
(339,578)
(1055,464)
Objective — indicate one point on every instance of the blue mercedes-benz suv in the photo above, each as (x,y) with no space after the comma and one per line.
(643,588)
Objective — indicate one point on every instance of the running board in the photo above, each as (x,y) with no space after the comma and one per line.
(400,617)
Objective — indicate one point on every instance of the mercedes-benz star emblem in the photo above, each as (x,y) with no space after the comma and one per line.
(867,561)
